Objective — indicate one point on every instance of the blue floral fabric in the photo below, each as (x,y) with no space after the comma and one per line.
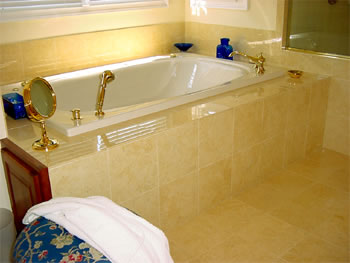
(45,241)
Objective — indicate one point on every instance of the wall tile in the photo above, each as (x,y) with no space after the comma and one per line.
(245,168)
(214,183)
(82,177)
(178,201)
(298,105)
(275,112)
(215,137)
(272,155)
(337,134)
(178,152)
(295,144)
(11,63)
(317,117)
(248,125)
(339,97)
(146,206)
(39,57)
(133,169)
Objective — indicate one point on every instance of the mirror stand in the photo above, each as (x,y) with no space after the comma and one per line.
(45,143)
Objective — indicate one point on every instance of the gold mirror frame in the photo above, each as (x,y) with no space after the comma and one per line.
(285,37)
(44,143)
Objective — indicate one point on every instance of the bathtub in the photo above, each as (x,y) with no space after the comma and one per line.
(145,86)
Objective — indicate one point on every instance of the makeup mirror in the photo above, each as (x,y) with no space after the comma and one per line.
(40,103)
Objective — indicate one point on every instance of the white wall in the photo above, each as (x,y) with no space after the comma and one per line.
(261,14)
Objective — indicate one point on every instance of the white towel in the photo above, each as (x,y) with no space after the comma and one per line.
(120,235)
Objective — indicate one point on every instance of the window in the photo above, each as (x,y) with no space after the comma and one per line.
(228,4)
(26,9)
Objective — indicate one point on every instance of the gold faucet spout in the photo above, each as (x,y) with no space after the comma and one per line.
(106,77)
(258,60)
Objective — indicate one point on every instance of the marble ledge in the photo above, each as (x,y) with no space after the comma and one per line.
(23,132)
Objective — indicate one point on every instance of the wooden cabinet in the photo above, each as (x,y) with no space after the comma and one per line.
(27,180)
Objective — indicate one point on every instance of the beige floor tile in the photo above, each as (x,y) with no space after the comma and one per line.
(272,235)
(339,179)
(295,215)
(236,250)
(324,197)
(328,158)
(264,197)
(288,182)
(334,229)
(299,216)
(312,249)
(310,169)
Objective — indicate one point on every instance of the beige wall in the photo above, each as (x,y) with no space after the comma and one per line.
(205,33)
(60,26)
(260,15)
(4,197)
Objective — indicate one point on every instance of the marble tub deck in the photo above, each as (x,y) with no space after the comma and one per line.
(299,214)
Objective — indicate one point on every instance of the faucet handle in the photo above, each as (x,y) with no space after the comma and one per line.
(261,58)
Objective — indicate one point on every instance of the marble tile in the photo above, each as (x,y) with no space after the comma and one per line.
(288,182)
(273,235)
(146,205)
(11,61)
(341,68)
(178,201)
(299,216)
(234,250)
(333,229)
(313,249)
(272,155)
(214,183)
(337,133)
(215,138)
(263,197)
(317,117)
(83,177)
(245,169)
(295,144)
(275,115)
(298,105)
(133,169)
(248,125)
(310,170)
(339,97)
(339,179)
(177,152)
(324,197)
(39,57)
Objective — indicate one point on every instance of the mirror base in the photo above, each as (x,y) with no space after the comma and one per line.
(41,146)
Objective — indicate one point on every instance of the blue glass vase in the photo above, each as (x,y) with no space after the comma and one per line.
(224,49)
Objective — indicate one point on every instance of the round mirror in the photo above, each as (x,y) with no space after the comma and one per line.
(40,103)
(39,99)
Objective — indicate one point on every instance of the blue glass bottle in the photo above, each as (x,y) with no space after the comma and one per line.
(224,49)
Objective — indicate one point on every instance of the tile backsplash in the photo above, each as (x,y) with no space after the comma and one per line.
(43,57)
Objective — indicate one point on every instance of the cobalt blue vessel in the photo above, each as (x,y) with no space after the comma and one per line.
(224,49)
(14,105)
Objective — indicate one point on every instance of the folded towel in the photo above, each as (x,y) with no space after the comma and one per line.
(113,230)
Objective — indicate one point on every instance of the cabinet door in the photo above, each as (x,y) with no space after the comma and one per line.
(27,186)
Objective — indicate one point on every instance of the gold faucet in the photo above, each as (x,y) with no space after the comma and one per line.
(258,61)
(106,77)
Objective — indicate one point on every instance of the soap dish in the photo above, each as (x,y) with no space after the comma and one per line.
(295,74)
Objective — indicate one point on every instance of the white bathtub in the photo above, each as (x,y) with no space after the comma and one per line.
(145,86)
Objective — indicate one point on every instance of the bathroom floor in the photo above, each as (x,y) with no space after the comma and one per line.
(300,214)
